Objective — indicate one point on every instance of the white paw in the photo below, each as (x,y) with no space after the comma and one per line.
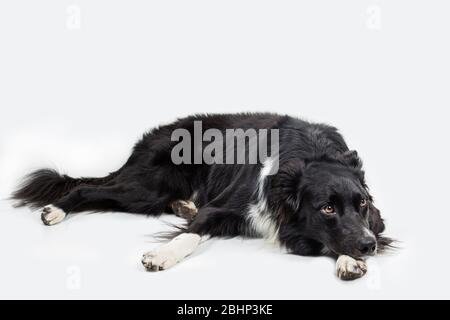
(52,215)
(348,268)
(158,260)
(184,209)
(171,253)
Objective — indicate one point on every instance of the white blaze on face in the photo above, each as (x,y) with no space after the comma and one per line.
(369,233)
(261,220)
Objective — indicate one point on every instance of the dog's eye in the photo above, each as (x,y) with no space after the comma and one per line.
(363,202)
(328,209)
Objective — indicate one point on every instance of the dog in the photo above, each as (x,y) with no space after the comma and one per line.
(316,202)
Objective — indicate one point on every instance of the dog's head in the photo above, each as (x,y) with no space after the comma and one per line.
(326,200)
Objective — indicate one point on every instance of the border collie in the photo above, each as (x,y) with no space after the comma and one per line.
(315,203)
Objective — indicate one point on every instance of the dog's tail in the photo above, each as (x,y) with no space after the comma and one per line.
(45,186)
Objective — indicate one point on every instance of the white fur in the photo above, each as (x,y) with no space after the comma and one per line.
(260,219)
(52,215)
(194,196)
(369,233)
(190,205)
(172,252)
(348,268)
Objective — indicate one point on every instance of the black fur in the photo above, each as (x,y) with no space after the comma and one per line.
(316,168)
(45,186)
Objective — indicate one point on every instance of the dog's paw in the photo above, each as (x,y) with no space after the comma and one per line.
(171,253)
(348,268)
(52,215)
(184,209)
(158,260)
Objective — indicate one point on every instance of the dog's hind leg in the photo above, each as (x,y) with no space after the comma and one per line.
(184,208)
(101,198)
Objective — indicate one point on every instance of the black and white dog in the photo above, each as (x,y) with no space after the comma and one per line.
(315,203)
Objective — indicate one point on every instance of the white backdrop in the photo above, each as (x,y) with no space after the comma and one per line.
(80,81)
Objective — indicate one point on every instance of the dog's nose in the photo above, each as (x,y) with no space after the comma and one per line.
(367,246)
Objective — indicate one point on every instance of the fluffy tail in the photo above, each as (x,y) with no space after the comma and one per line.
(45,186)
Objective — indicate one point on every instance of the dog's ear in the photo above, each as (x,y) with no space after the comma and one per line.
(286,184)
(376,223)
(352,159)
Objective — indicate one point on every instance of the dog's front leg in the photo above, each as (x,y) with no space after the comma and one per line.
(348,268)
(172,252)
